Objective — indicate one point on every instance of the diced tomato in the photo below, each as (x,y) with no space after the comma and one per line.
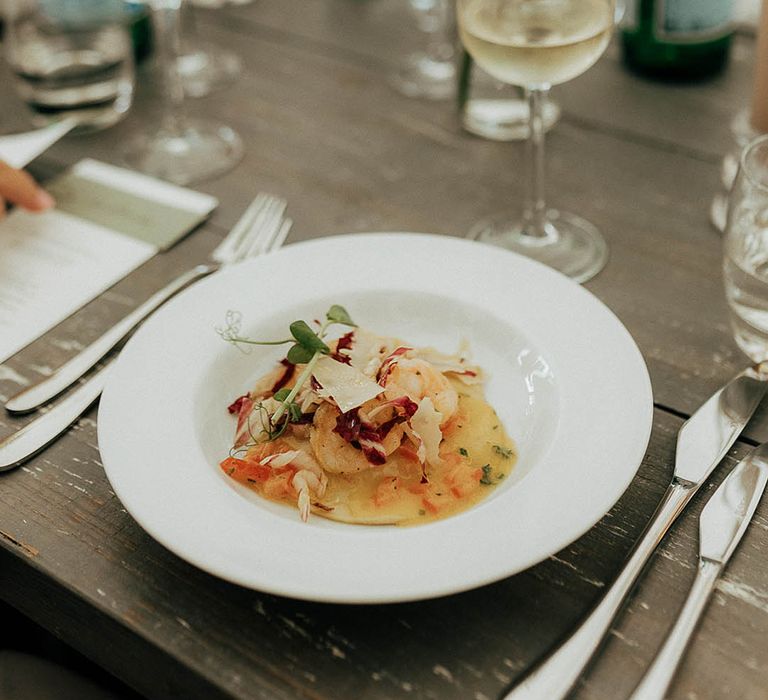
(418,488)
(430,506)
(279,485)
(257,472)
(386,492)
(450,425)
(232,465)
(409,453)
(458,491)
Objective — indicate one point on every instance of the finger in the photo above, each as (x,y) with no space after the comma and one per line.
(20,188)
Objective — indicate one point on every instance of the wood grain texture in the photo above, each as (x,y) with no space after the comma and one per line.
(323,128)
(73,559)
(327,132)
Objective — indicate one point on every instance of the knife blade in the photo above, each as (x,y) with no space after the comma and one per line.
(702,442)
(721,526)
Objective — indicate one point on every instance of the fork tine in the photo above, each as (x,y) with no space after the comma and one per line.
(275,238)
(263,232)
(282,234)
(226,248)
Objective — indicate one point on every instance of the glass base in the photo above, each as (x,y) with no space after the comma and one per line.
(505,118)
(197,152)
(423,76)
(205,68)
(572,246)
(718,211)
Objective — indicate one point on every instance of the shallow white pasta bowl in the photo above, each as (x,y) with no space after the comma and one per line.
(564,375)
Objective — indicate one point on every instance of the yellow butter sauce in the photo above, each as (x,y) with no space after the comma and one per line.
(477,455)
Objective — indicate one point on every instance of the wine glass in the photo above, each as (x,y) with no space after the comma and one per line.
(204,66)
(430,73)
(183,150)
(536,44)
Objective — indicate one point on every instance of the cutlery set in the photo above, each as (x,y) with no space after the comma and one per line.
(261,229)
(702,442)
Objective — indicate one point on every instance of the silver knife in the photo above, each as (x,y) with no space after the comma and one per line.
(721,526)
(37,434)
(702,442)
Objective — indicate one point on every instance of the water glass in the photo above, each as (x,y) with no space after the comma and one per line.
(495,110)
(745,265)
(71,59)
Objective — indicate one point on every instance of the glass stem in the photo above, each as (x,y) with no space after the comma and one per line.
(440,41)
(166,16)
(535,208)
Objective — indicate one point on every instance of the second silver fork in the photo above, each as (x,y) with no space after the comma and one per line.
(261,230)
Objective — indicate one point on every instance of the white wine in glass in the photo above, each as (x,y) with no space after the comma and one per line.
(536,44)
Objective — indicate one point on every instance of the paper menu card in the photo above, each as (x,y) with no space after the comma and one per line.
(106,223)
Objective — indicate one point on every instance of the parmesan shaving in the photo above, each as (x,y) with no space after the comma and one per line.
(368,350)
(426,425)
(345,384)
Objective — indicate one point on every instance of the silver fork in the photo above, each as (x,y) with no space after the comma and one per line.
(261,229)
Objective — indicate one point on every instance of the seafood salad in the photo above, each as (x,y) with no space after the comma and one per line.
(366,429)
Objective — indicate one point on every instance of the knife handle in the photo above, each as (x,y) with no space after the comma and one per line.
(655,682)
(33,437)
(556,675)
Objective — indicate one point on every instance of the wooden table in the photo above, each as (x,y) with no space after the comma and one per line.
(324,129)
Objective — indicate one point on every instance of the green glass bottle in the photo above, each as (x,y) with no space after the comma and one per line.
(677,39)
(141,28)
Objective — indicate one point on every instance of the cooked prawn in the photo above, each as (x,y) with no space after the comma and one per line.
(334,453)
(418,379)
(308,478)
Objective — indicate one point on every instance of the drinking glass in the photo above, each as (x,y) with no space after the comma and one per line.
(183,150)
(431,73)
(494,110)
(536,44)
(745,258)
(71,60)
(204,66)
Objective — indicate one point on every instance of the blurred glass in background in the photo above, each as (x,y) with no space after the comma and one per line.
(71,59)
(179,148)
(745,264)
(203,65)
(431,71)
(496,110)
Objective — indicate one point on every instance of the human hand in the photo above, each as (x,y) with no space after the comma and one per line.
(19,187)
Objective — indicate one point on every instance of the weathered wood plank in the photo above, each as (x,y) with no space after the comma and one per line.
(73,559)
(690,117)
(349,154)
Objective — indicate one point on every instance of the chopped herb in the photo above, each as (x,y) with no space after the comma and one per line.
(231,471)
(422,512)
(500,476)
(505,452)
(463,452)
(307,338)
(338,314)
(495,427)
(294,411)
(486,478)
(299,355)
(308,346)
